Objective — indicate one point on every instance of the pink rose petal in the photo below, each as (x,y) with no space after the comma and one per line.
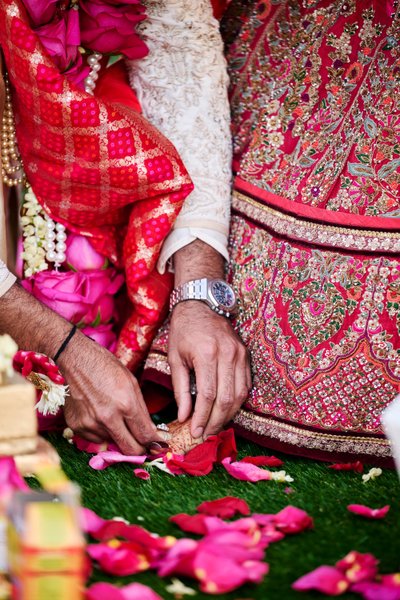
(119,557)
(369,513)
(219,573)
(391,579)
(133,591)
(102,460)
(179,559)
(224,507)
(358,567)
(325,579)
(372,590)
(141,474)
(263,461)
(292,520)
(245,471)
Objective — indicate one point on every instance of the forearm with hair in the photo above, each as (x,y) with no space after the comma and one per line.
(197,260)
(31,324)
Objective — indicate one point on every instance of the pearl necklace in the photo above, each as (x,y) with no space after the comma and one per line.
(41,235)
(12,168)
(94,63)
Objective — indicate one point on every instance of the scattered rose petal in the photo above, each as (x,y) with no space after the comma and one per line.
(141,474)
(372,474)
(369,513)
(372,590)
(357,466)
(263,461)
(89,447)
(10,479)
(179,559)
(224,507)
(219,574)
(292,520)
(133,591)
(177,588)
(119,557)
(288,490)
(201,459)
(190,523)
(102,460)
(391,579)
(358,567)
(246,471)
(325,579)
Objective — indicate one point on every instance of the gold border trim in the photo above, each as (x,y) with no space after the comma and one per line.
(314,440)
(316,233)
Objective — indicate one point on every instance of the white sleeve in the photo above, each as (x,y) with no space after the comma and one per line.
(182,88)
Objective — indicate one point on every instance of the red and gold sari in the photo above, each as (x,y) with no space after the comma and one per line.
(98,167)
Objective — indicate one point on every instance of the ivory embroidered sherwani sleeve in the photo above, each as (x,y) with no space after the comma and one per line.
(182,88)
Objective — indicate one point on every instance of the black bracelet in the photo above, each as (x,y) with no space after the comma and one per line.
(65,343)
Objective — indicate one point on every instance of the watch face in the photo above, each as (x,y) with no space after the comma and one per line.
(223,294)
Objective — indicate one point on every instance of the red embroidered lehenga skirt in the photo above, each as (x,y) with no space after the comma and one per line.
(315,236)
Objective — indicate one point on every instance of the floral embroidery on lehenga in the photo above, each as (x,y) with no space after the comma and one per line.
(314,246)
(316,122)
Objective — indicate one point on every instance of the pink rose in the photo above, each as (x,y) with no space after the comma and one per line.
(81,256)
(103,335)
(61,38)
(108,26)
(40,11)
(85,298)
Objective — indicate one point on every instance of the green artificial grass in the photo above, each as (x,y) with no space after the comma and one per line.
(322,492)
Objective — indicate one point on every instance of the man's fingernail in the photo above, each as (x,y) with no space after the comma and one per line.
(198,432)
(156,448)
(164,434)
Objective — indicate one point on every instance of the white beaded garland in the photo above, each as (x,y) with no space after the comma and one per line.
(54,243)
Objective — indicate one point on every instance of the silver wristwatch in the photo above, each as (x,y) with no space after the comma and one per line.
(216,293)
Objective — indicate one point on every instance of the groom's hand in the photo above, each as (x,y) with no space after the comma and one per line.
(205,343)
(105,401)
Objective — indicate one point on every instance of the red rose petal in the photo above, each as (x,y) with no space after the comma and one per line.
(190,523)
(325,579)
(357,466)
(201,459)
(141,474)
(224,507)
(263,461)
(369,513)
(245,471)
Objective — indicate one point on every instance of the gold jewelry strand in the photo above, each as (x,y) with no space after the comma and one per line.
(12,169)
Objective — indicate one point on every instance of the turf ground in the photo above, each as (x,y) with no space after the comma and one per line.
(322,492)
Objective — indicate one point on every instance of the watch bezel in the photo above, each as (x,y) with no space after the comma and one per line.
(226,307)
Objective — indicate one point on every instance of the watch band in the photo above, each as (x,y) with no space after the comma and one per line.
(196,289)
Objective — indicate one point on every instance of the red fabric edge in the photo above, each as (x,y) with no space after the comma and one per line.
(301,452)
(316,214)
